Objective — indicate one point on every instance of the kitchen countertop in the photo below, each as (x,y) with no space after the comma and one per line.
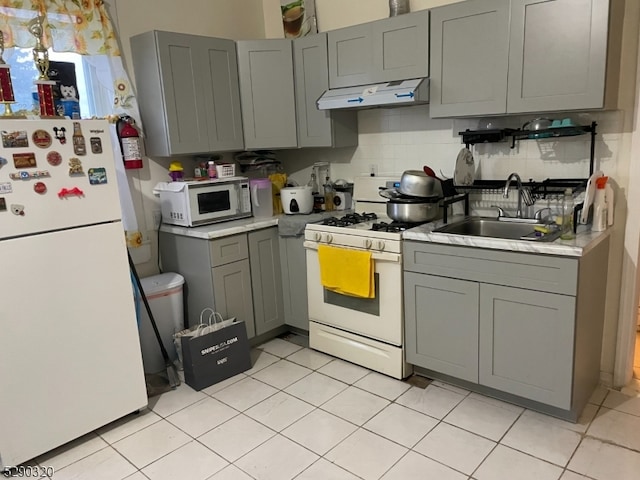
(288,225)
(584,241)
(223,229)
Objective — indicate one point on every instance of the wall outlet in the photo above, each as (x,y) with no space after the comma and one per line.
(157,218)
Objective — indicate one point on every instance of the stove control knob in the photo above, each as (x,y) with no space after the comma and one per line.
(329,238)
(367,244)
(316,237)
(380,245)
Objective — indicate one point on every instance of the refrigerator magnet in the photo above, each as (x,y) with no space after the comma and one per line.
(24,160)
(97,176)
(75,166)
(54,158)
(3,205)
(40,187)
(23,175)
(60,134)
(17,209)
(96,144)
(3,162)
(41,138)
(15,139)
(6,187)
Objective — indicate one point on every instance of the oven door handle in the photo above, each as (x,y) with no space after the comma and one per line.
(378,256)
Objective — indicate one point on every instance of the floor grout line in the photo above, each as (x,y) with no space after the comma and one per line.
(439,421)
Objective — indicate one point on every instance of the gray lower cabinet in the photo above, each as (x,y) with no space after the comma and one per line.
(516,56)
(525,343)
(293,260)
(441,324)
(266,279)
(525,326)
(395,48)
(188,93)
(237,275)
(232,294)
(267,92)
(318,128)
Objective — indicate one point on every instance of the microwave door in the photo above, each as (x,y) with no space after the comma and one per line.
(213,202)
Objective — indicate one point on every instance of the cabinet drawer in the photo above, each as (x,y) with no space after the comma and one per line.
(533,272)
(228,249)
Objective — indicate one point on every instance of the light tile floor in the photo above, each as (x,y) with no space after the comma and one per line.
(299,414)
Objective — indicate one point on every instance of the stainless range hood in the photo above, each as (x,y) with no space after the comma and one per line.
(397,93)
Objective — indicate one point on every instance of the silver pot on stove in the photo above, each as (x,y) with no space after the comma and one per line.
(408,209)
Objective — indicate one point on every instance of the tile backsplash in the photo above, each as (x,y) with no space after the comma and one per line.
(392,140)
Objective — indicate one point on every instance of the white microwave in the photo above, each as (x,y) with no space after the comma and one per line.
(195,203)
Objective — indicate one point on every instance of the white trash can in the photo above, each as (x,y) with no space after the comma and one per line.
(164,294)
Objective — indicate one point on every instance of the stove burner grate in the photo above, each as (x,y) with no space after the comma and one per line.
(349,219)
(393,227)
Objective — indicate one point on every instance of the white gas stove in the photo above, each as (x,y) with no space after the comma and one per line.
(371,232)
(365,331)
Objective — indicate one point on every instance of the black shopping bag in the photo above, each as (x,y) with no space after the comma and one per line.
(215,356)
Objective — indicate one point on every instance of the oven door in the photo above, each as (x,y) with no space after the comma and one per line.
(378,318)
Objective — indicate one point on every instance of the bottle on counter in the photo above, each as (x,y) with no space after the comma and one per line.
(567,215)
(211,169)
(328,196)
(313,183)
(600,213)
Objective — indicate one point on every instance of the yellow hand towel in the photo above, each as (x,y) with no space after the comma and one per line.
(349,272)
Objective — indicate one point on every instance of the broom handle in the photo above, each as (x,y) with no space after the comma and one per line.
(165,355)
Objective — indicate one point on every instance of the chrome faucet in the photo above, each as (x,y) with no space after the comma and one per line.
(505,194)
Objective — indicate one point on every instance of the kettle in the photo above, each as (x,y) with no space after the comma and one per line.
(297,200)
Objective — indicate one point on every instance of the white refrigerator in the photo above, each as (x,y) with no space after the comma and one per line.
(70,358)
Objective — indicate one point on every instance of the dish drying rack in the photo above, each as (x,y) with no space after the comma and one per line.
(473,137)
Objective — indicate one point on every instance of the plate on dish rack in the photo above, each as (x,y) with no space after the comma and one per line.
(465,170)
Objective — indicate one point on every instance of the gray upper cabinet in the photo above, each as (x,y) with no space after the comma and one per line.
(516,56)
(395,48)
(401,47)
(267,92)
(350,56)
(188,93)
(469,55)
(318,128)
(557,55)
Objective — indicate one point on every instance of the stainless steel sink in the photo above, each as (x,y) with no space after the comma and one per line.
(490,227)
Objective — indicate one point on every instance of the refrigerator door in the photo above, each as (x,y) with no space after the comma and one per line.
(70,360)
(44,156)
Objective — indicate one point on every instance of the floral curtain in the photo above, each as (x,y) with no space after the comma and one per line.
(79,26)
(82,27)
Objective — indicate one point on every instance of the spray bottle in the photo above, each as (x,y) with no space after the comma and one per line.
(600,206)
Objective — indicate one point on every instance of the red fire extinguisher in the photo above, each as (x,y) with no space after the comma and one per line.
(130,142)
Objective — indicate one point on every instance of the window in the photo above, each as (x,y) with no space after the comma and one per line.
(95,96)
